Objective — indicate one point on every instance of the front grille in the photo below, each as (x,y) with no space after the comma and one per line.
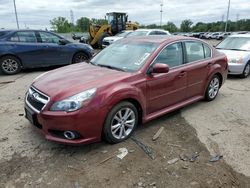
(36,99)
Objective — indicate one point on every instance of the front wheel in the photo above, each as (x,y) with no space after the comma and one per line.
(246,71)
(79,57)
(212,88)
(120,122)
(10,65)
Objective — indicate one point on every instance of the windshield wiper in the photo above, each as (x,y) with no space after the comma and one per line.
(111,67)
(237,49)
(232,49)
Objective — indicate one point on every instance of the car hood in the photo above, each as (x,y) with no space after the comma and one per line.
(234,53)
(70,80)
(114,38)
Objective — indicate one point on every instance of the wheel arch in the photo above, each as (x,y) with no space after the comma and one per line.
(9,54)
(79,51)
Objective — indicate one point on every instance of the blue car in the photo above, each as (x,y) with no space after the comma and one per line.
(21,49)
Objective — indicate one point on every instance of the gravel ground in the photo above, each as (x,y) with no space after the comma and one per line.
(221,127)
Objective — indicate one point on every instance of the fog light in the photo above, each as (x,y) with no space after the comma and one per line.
(71,135)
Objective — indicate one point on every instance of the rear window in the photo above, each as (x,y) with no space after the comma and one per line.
(2,33)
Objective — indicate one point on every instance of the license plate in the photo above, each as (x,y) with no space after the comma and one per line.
(29,116)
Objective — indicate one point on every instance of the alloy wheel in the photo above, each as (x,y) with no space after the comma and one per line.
(213,87)
(80,58)
(247,70)
(10,65)
(123,123)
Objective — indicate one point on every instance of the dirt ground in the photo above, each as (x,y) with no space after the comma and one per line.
(219,127)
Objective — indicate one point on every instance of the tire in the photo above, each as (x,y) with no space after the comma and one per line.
(246,71)
(79,57)
(213,88)
(100,41)
(10,65)
(117,121)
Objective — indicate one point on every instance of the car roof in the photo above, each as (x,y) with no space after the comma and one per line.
(150,30)
(158,39)
(14,30)
(240,35)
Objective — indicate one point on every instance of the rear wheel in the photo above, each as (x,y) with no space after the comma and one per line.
(10,65)
(246,71)
(120,122)
(79,57)
(212,88)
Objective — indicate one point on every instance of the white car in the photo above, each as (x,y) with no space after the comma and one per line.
(237,49)
(145,32)
(109,40)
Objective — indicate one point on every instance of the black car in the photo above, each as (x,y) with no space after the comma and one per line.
(20,49)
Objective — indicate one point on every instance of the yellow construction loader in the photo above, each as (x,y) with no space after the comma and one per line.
(117,22)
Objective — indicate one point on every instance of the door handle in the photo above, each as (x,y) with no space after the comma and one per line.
(182,73)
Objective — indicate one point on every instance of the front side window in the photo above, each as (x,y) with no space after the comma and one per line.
(172,55)
(49,38)
(194,51)
(24,36)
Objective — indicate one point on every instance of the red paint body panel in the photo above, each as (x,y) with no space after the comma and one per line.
(157,94)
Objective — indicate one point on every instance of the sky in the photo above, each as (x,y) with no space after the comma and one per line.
(35,14)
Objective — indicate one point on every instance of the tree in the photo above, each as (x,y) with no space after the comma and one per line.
(186,25)
(171,27)
(61,25)
(99,21)
(82,24)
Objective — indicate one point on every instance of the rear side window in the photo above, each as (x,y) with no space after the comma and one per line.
(24,36)
(171,55)
(161,33)
(194,51)
(207,51)
(2,33)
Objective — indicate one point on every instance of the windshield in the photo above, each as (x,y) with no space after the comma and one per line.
(138,33)
(125,56)
(235,43)
(123,34)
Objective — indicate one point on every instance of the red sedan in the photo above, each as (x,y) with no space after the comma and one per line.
(132,81)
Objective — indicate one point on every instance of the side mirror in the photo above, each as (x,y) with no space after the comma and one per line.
(160,68)
(63,41)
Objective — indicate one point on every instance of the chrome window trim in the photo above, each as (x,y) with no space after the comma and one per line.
(46,102)
(182,41)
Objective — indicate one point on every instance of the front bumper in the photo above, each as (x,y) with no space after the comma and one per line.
(88,123)
(235,69)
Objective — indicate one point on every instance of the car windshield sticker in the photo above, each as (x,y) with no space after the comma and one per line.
(142,59)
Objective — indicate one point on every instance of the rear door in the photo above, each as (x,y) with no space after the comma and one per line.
(24,44)
(198,62)
(165,90)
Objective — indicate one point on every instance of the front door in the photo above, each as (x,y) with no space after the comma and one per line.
(167,89)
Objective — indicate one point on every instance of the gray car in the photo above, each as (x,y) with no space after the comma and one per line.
(237,49)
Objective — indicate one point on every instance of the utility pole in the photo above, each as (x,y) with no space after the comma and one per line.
(228,8)
(72,17)
(161,13)
(16,14)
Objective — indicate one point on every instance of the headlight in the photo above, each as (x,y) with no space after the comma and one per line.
(238,60)
(73,103)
